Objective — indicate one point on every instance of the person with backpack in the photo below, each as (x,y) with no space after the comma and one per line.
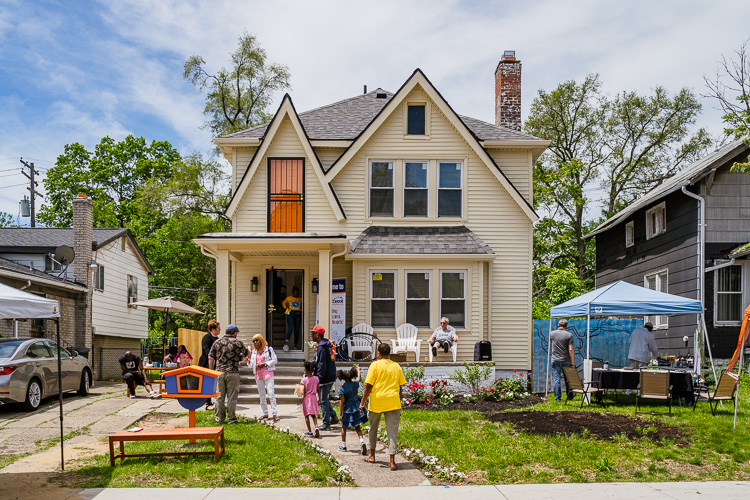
(263,362)
(325,370)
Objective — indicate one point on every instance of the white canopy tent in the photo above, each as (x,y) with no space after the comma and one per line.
(17,304)
(624,299)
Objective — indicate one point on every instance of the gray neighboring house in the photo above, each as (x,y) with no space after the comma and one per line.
(95,291)
(657,242)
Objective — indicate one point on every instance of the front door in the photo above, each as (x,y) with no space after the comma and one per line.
(285,308)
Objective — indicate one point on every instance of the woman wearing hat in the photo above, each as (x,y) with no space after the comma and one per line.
(263,362)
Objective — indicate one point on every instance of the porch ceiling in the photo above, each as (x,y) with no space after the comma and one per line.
(272,244)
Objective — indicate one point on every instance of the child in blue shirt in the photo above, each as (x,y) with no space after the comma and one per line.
(351,415)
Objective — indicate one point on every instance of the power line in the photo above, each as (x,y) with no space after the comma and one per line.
(14,185)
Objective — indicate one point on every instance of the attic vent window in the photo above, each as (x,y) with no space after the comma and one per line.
(416,119)
(381,95)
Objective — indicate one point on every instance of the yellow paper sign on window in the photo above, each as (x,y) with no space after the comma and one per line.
(377,277)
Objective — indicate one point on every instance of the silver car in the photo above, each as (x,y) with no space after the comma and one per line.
(28,371)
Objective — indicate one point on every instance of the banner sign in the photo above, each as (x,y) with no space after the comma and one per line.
(338,310)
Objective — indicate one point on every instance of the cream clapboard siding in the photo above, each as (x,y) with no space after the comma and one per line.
(110,312)
(242,158)
(490,213)
(328,155)
(515,166)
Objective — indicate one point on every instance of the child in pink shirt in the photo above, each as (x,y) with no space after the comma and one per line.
(310,399)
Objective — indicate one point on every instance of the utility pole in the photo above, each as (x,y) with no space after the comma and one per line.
(32,187)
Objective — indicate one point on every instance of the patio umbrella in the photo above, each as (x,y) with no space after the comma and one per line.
(167,304)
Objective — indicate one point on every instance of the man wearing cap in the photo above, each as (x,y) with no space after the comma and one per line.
(642,346)
(325,370)
(225,355)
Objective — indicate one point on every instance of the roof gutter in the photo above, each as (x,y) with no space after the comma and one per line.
(719,266)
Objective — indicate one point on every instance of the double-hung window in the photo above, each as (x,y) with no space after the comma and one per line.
(453,297)
(728,308)
(449,189)
(418,298)
(99,277)
(656,220)
(657,281)
(629,234)
(415,189)
(383,299)
(381,189)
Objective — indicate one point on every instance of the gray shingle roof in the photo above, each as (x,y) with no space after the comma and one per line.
(419,240)
(345,120)
(34,273)
(685,177)
(51,238)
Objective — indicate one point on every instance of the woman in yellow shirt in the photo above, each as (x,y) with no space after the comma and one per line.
(293,308)
(383,387)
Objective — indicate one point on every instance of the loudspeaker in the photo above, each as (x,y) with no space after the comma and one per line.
(483,351)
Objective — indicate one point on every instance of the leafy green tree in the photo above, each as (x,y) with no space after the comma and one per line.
(6,220)
(560,285)
(110,176)
(618,146)
(237,98)
(731,89)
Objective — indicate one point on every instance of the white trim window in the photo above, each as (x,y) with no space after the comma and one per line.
(132,289)
(416,118)
(381,189)
(416,192)
(383,299)
(99,277)
(418,298)
(658,281)
(656,220)
(728,296)
(450,187)
(629,234)
(453,297)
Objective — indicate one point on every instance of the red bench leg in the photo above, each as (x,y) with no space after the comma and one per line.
(111,452)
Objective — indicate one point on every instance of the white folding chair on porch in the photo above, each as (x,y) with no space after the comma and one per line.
(453,350)
(360,343)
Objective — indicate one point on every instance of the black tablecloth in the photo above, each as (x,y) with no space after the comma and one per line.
(682,382)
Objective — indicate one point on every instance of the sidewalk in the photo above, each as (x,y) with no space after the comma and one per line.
(729,490)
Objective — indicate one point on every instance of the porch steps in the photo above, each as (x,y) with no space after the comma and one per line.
(286,375)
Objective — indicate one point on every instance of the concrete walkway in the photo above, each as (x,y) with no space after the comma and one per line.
(363,474)
(610,491)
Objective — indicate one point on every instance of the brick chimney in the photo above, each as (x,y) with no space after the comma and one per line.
(83,220)
(508,91)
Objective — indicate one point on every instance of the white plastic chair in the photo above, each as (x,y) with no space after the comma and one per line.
(406,340)
(359,343)
(454,350)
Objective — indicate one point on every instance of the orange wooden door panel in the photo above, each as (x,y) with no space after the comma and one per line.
(286,196)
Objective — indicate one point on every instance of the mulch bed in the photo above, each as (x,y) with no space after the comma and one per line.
(481,405)
(599,425)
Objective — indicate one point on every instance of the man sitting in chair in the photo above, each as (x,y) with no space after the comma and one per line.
(444,336)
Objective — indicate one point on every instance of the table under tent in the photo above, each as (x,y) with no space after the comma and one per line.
(624,299)
(17,304)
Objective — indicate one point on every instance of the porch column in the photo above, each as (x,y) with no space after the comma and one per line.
(324,290)
(222,288)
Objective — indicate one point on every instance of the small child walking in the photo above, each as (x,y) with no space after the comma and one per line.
(310,399)
(351,415)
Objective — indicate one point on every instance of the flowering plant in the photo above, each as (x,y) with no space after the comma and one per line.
(417,394)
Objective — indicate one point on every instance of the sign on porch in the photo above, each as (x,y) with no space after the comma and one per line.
(338,309)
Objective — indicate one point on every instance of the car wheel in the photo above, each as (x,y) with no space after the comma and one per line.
(33,395)
(83,390)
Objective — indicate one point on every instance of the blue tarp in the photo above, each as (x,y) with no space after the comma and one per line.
(623,299)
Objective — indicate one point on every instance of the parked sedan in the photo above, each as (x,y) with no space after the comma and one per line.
(28,371)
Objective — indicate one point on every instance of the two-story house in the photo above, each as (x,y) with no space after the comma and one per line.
(684,237)
(108,272)
(423,212)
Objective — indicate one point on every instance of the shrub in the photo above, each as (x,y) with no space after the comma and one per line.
(415,374)
(472,375)
(417,394)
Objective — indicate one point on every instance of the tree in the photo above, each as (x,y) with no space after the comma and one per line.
(731,89)
(237,98)
(110,176)
(6,220)
(619,147)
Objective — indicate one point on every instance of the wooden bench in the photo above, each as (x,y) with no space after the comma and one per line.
(161,383)
(190,433)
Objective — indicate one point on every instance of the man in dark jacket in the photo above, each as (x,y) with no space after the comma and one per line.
(325,370)
(214,329)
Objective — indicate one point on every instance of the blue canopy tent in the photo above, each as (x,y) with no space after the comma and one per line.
(624,299)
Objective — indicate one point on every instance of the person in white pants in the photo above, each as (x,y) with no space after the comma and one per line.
(263,362)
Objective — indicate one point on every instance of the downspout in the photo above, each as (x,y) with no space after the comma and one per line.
(700,319)
(27,285)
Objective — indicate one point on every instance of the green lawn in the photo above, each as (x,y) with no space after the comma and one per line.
(489,452)
(256,455)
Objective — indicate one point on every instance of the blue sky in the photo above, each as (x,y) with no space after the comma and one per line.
(76,71)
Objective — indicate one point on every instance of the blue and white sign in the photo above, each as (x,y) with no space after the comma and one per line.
(338,309)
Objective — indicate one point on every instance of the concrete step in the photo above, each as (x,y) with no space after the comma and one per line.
(280,399)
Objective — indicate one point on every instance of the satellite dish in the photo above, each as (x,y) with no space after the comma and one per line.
(64,254)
